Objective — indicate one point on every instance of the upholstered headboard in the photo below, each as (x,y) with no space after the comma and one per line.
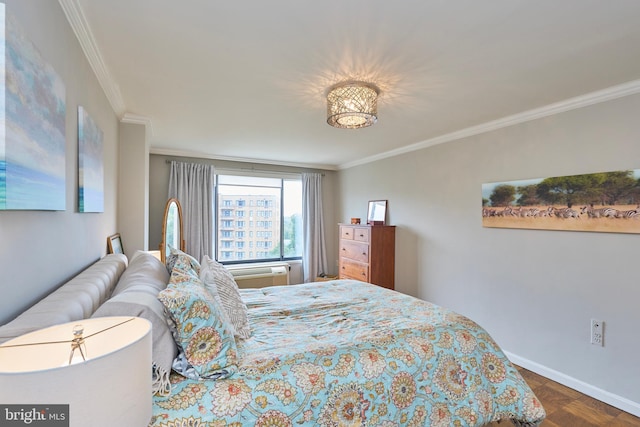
(77,299)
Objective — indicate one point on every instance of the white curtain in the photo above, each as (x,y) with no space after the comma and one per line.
(314,255)
(192,184)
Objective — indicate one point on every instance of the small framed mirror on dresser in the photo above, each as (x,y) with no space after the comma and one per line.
(377,212)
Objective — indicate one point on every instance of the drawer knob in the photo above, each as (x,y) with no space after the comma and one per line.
(343,249)
(343,268)
(363,274)
(364,253)
(362,235)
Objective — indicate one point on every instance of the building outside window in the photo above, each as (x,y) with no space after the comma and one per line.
(278,199)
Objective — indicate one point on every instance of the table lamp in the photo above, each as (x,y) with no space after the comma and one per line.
(93,372)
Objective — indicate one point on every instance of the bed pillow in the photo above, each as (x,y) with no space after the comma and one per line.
(219,280)
(145,273)
(183,260)
(164,349)
(206,346)
(136,295)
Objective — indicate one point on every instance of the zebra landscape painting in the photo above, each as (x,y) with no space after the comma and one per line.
(603,202)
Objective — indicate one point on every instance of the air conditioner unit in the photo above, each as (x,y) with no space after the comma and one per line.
(260,276)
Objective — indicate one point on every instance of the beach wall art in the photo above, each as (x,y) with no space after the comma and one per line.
(90,164)
(603,202)
(33,115)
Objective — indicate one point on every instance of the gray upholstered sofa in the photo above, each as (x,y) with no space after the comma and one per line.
(77,299)
(112,286)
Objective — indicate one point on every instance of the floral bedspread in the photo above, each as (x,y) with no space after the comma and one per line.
(346,353)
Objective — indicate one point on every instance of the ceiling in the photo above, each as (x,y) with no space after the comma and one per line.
(248,79)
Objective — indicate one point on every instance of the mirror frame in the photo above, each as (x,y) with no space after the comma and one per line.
(373,212)
(163,242)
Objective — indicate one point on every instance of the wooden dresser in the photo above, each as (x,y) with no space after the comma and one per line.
(367,253)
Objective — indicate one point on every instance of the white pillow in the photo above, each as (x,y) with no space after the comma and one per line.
(145,273)
(218,280)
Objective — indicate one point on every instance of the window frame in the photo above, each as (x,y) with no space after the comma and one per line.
(282,176)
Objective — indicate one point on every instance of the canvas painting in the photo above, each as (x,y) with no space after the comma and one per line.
(3,118)
(33,109)
(90,164)
(604,202)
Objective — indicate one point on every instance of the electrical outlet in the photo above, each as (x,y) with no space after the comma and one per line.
(597,332)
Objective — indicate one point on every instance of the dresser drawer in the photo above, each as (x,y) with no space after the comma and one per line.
(346,233)
(354,250)
(361,234)
(353,270)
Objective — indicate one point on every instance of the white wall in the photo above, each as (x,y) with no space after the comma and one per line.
(133,188)
(41,250)
(534,291)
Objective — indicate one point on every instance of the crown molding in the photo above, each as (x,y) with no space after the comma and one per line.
(614,92)
(180,153)
(81,28)
(138,120)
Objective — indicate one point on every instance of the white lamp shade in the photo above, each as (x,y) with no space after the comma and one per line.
(111,387)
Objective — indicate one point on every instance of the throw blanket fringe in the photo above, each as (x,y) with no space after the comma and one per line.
(161,385)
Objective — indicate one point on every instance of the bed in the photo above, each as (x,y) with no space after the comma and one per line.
(335,353)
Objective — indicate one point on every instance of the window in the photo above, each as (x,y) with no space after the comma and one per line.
(278,233)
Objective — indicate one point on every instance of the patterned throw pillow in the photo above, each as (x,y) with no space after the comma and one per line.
(204,339)
(215,276)
(183,260)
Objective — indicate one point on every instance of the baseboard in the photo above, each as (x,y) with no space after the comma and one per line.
(595,392)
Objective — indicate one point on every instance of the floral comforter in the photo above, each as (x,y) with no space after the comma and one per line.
(347,353)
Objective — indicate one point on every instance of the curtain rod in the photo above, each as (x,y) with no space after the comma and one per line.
(241,169)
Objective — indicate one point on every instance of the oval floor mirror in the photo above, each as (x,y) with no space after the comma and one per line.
(172,231)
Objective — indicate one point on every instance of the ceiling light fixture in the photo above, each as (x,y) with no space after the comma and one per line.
(352,105)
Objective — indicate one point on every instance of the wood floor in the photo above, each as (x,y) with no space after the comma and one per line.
(566,407)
